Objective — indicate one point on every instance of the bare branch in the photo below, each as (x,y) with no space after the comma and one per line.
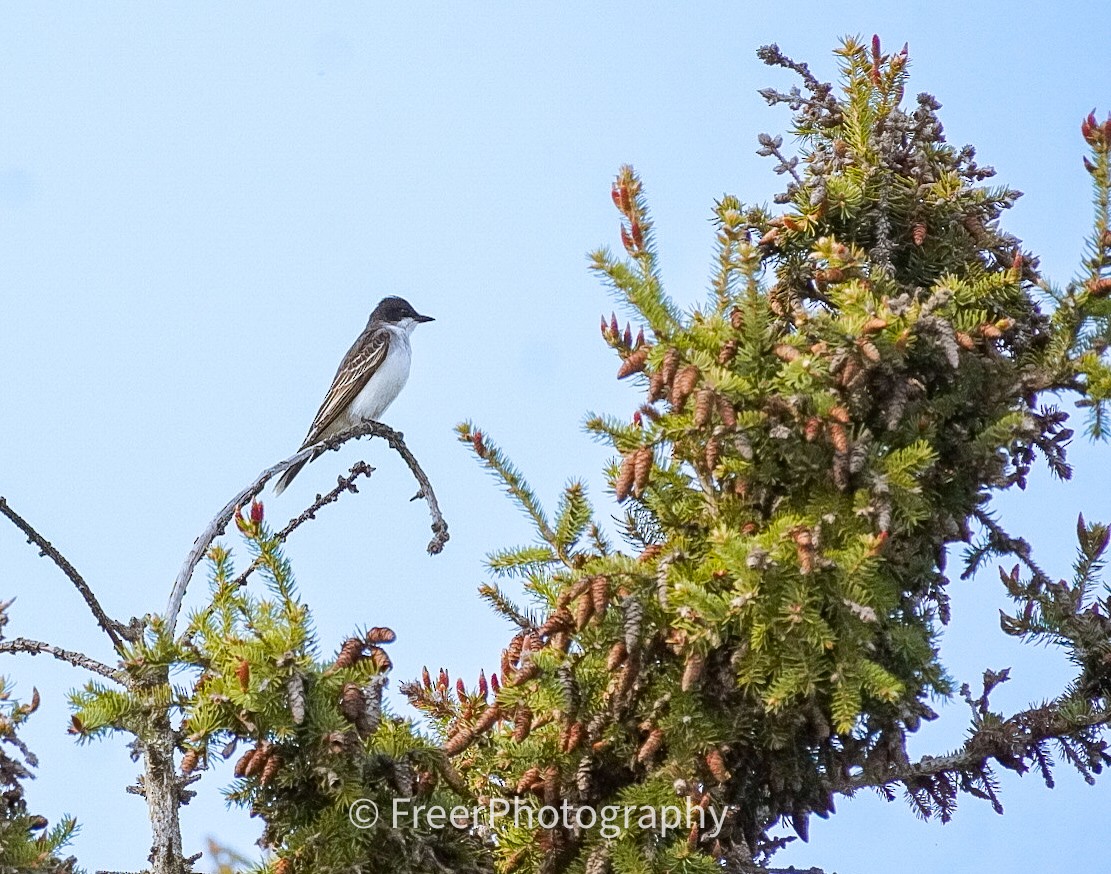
(345,484)
(46,549)
(34,647)
(220,522)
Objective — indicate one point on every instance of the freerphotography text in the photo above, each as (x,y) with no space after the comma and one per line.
(609,821)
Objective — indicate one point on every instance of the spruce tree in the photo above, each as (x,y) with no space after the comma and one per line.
(878,359)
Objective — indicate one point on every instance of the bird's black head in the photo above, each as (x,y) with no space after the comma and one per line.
(393,310)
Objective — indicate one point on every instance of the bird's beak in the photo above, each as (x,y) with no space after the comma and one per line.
(421,318)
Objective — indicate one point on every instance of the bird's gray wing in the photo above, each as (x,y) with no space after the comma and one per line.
(358,366)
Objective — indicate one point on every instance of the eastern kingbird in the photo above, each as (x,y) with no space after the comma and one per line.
(371,375)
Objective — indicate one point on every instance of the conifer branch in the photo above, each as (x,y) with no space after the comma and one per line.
(1010,743)
(46,549)
(217,526)
(80,660)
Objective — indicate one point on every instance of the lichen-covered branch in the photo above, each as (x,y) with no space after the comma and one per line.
(34,647)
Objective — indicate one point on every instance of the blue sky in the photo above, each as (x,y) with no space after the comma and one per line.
(199,206)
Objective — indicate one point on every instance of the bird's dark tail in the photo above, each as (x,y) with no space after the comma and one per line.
(286,478)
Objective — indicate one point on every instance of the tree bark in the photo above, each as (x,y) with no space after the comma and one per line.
(162,790)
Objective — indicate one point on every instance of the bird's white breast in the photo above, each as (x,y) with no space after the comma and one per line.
(386,382)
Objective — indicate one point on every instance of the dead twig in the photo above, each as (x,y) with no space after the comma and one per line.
(344,484)
(217,526)
(46,549)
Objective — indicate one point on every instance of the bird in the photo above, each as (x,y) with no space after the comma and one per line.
(369,378)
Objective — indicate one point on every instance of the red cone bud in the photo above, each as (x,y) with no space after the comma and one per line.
(256,512)
(1088,125)
(627,241)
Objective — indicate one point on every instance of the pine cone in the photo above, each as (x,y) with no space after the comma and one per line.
(703,406)
(642,467)
(634,363)
(551,786)
(850,372)
(684,384)
(381,635)
(692,671)
(350,652)
(380,659)
(273,763)
(295,695)
(584,611)
(868,349)
(243,672)
(728,352)
(786,351)
(726,413)
(257,761)
(716,763)
(838,437)
(712,451)
(670,366)
(573,738)
(617,655)
(489,716)
(459,742)
(352,702)
(737,319)
(599,593)
(189,762)
(650,746)
(530,778)
(626,476)
(522,723)
(919,234)
(243,763)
